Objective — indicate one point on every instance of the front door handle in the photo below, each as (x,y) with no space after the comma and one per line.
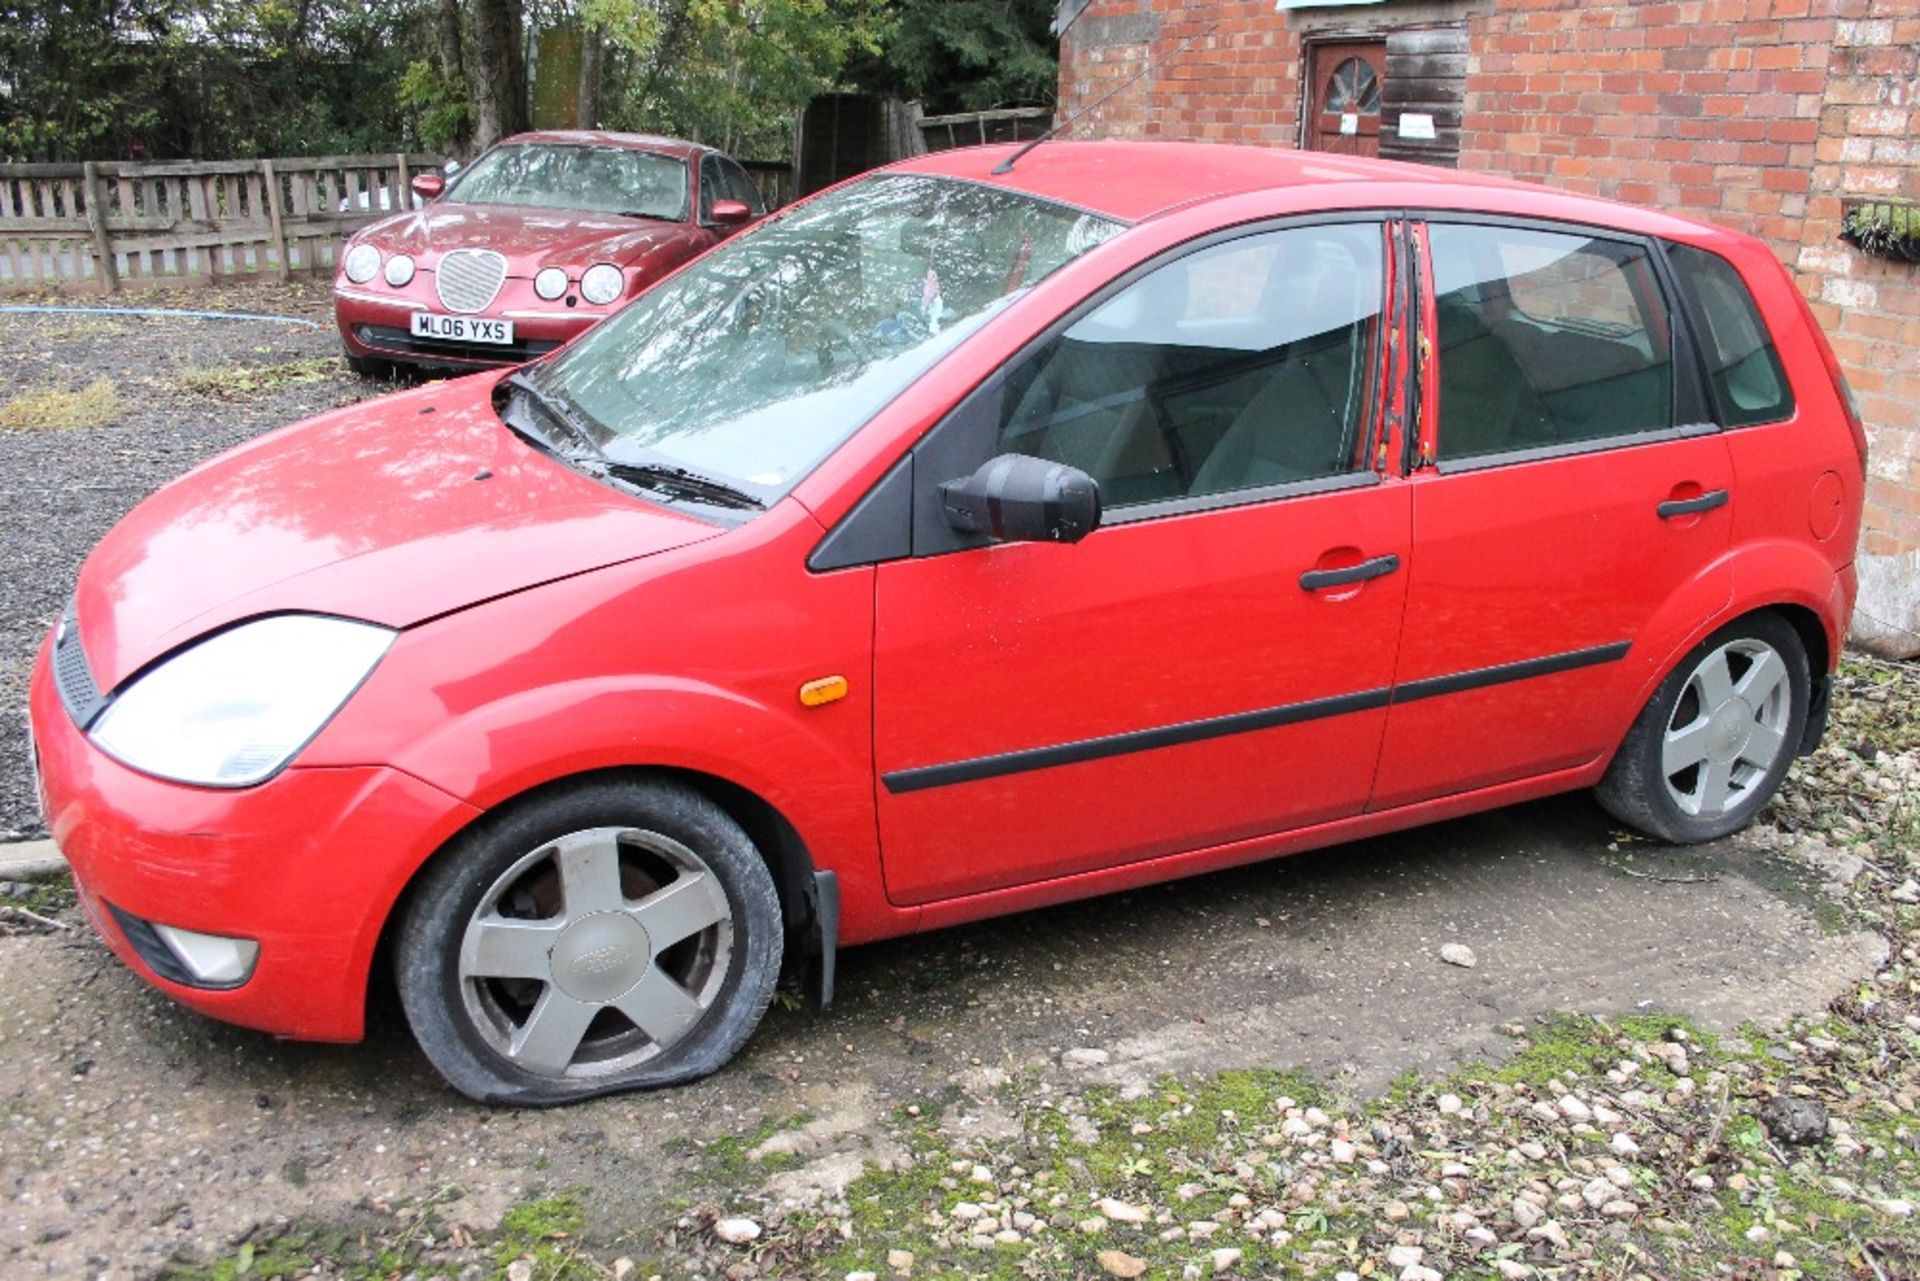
(1692,506)
(1317,579)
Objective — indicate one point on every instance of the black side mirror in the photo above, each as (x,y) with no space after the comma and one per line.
(1018,499)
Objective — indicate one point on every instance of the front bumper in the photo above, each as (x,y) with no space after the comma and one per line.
(309,864)
(375,322)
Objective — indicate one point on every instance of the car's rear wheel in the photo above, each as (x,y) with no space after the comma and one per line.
(608,936)
(1713,743)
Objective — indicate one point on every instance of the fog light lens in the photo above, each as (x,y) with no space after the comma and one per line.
(550,283)
(214,960)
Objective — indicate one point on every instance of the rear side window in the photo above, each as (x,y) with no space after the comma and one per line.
(1546,339)
(1237,367)
(1749,384)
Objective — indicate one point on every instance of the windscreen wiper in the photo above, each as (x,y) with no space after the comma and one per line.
(557,410)
(685,482)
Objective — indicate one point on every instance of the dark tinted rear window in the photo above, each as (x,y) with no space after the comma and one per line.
(1749,385)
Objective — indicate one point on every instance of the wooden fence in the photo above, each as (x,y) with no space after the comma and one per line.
(112,224)
(977,128)
(108,225)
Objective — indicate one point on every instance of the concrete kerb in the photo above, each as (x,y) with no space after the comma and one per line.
(30,860)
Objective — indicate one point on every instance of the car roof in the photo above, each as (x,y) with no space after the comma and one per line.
(1137,181)
(676,147)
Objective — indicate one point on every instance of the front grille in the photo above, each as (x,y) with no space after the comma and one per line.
(469,279)
(158,956)
(71,674)
(401,342)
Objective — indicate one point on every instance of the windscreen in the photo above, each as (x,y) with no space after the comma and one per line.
(753,363)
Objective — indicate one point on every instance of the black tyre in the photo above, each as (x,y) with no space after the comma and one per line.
(1711,746)
(371,367)
(604,936)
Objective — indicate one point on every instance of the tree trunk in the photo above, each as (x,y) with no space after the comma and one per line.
(449,54)
(498,71)
(592,45)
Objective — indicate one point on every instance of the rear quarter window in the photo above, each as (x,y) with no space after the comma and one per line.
(1749,384)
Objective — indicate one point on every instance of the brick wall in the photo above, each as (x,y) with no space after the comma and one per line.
(1765,115)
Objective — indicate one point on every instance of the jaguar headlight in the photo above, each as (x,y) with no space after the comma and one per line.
(232,709)
(601,283)
(362,262)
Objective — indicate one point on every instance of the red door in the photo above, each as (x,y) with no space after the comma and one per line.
(1211,664)
(1571,502)
(1344,90)
(1162,686)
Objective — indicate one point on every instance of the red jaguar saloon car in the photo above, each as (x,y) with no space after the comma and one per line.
(983,533)
(540,238)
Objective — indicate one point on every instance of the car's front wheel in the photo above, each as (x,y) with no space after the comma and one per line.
(609,935)
(1713,743)
(371,367)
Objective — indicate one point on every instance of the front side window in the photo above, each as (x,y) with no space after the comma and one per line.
(1236,367)
(1749,384)
(758,359)
(615,180)
(741,187)
(1546,339)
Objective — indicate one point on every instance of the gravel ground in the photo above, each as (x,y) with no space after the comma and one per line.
(182,391)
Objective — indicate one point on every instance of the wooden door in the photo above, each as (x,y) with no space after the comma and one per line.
(1344,96)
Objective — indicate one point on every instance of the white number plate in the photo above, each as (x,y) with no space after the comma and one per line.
(427,324)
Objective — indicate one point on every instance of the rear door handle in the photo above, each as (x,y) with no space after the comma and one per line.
(1316,579)
(1692,506)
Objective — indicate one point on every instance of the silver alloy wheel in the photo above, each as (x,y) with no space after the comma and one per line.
(596,952)
(1728,728)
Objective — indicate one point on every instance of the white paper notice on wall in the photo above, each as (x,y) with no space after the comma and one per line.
(1417,125)
(1349,122)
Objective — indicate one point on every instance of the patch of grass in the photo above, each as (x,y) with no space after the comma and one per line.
(236,382)
(48,897)
(55,408)
(547,1231)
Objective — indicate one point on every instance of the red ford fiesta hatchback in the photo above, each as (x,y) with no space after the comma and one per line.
(1241,501)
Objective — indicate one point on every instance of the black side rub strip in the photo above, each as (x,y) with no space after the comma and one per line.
(920,778)
(1434,686)
(1139,740)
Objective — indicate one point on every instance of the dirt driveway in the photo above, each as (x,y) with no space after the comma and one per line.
(135,1131)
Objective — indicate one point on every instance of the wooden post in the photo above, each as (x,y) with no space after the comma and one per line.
(274,223)
(97,224)
(403,198)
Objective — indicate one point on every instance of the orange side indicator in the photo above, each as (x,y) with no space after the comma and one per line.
(828,689)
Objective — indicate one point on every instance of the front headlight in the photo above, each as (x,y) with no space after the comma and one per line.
(362,262)
(550,283)
(399,270)
(601,283)
(232,709)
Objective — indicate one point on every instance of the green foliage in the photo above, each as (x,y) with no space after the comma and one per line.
(168,79)
(440,107)
(734,73)
(966,55)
